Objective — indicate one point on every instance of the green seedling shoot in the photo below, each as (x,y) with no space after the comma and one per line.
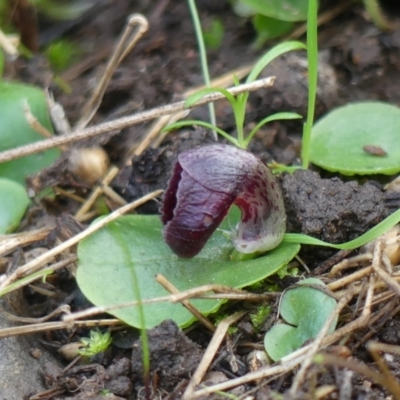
(238,103)
(97,343)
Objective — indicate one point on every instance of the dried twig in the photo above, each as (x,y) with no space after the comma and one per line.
(165,283)
(8,243)
(96,192)
(124,122)
(51,326)
(212,348)
(125,45)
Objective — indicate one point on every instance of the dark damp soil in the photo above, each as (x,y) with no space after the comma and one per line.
(357,62)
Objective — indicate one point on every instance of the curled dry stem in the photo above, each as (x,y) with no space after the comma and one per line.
(125,44)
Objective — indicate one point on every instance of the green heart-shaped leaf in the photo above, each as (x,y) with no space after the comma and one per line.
(338,139)
(15,130)
(132,248)
(305,309)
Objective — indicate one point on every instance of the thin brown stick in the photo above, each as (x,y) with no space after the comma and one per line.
(96,192)
(124,122)
(64,308)
(391,381)
(124,46)
(32,278)
(9,243)
(354,277)
(198,293)
(376,265)
(165,283)
(212,348)
(51,326)
(356,366)
(154,136)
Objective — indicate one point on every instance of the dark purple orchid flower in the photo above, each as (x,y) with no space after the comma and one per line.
(205,182)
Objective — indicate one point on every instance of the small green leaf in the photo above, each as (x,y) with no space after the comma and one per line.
(15,130)
(338,139)
(270,118)
(62,54)
(111,259)
(285,10)
(97,343)
(305,309)
(13,203)
(269,28)
(195,97)
(270,55)
(214,34)
(64,10)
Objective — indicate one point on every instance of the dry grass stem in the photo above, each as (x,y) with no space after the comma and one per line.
(51,326)
(349,279)
(96,192)
(34,123)
(392,383)
(34,277)
(7,45)
(376,265)
(166,284)
(113,195)
(8,243)
(323,18)
(154,135)
(208,356)
(125,44)
(63,309)
(125,122)
(68,194)
(349,263)
(57,115)
(36,264)
(200,292)
(302,263)
(382,297)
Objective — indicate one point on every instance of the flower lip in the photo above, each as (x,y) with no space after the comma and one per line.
(205,182)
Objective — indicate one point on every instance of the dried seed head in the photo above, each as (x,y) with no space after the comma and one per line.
(89,165)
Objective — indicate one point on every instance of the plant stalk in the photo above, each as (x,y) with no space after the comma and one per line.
(203,58)
(312,57)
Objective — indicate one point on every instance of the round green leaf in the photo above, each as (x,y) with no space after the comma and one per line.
(285,10)
(13,203)
(15,130)
(132,248)
(305,309)
(338,139)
